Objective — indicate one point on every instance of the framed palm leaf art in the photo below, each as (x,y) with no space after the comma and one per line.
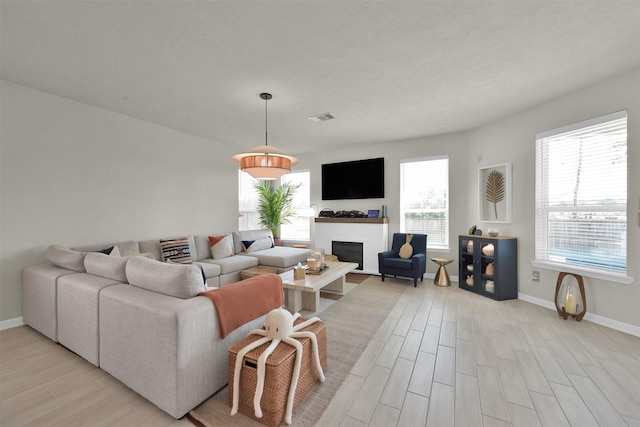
(494,193)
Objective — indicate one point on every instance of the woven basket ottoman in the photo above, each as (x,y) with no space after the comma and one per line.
(279,368)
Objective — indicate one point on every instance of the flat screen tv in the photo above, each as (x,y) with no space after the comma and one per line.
(359,179)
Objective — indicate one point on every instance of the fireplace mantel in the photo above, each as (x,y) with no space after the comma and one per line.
(371,232)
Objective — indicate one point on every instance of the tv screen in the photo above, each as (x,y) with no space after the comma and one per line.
(359,179)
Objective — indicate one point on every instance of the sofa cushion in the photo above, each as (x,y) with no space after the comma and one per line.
(281,256)
(110,267)
(176,250)
(233,264)
(258,244)
(153,247)
(221,246)
(402,263)
(180,281)
(202,246)
(122,247)
(210,270)
(239,236)
(66,258)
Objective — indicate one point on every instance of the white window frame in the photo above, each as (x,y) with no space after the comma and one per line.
(431,244)
(544,209)
(302,204)
(248,218)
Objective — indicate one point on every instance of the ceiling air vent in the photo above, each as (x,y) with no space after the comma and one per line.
(321,117)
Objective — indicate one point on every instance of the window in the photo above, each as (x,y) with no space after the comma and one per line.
(424,199)
(581,197)
(300,227)
(247,202)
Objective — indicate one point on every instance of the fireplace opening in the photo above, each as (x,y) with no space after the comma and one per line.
(348,252)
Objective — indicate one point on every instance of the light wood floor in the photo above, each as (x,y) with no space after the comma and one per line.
(443,357)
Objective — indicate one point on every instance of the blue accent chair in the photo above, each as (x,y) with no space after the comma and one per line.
(390,263)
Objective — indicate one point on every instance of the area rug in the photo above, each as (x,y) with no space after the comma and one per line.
(351,323)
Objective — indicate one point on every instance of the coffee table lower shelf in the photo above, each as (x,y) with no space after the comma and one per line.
(305,293)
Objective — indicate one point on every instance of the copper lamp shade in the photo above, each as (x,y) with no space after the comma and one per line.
(265,161)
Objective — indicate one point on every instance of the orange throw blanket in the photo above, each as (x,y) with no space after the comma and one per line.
(247,300)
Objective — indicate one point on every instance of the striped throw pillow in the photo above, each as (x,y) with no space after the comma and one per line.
(176,250)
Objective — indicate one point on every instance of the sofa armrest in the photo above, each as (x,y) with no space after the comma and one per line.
(418,263)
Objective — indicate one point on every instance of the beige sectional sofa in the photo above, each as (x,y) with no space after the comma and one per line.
(140,319)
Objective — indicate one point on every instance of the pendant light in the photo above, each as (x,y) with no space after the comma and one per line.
(265,161)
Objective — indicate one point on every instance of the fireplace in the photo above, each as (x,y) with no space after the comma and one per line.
(348,252)
(371,234)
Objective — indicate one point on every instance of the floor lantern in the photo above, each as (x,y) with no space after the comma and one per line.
(570,297)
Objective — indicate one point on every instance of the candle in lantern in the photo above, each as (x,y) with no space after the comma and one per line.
(570,305)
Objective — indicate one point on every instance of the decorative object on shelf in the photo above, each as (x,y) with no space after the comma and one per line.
(478,232)
(275,205)
(488,249)
(318,255)
(469,280)
(326,213)
(494,183)
(489,270)
(278,327)
(266,161)
(570,296)
(472,230)
(373,213)
(313,265)
(490,286)
(493,232)
(470,246)
(470,267)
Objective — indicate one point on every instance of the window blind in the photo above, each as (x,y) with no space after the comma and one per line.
(424,199)
(581,194)
(247,202)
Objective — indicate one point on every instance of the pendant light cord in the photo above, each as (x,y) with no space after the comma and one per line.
(266,122)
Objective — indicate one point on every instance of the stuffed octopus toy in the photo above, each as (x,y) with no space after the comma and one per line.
(278,327)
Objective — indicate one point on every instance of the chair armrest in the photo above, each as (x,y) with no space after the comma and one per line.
(418,257)
(388,254)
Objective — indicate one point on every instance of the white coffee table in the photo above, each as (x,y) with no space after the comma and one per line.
(305,293)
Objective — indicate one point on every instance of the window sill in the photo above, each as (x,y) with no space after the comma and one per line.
(583,271)
(439,249)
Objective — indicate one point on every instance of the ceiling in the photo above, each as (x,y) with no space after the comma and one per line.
(387,70)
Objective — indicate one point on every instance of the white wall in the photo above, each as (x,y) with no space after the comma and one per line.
(452,145)
(74,174)
(513,140)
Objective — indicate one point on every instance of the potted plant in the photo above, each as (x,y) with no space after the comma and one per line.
(275,205)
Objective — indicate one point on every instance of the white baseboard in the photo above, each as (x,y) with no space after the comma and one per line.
(11,323)
(594,318)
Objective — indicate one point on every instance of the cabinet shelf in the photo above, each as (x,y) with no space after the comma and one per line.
(503,283)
